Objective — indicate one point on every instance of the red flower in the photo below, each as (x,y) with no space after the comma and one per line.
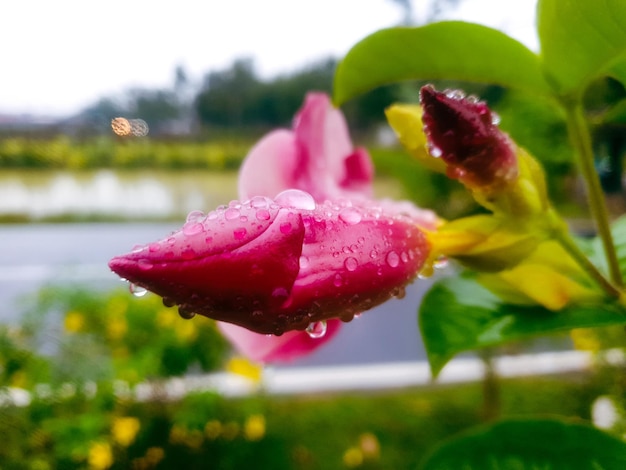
(298,260)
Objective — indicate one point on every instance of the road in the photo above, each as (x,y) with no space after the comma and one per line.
(34,255)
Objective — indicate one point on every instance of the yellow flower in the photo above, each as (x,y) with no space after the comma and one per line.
(165,318)
(212,429)
(154,455)
(242,366)
(186,331)
(74,321)
(124,430)
(100,456)
(254,427)
(353,457)
(116,328)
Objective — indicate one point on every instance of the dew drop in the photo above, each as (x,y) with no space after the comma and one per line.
(435,151)
(232,213)
(393,260)
(373,254)
(154,247)
(495,118)
(304,262)
(455,94)
(263,214)
(144,264)
(338,280)
(195,216)
(239,233)
(186,313)
(350,215)
(192,228)
(167,302)
(258,202)
(351,263)
(440,263)
(404,257)
(316,329)
(136,290)
(296,199)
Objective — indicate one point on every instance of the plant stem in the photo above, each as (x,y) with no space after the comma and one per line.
(575,252)
(581,139)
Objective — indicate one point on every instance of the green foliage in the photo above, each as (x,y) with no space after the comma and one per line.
(580,41)
(445,50)
(538,444)
(118,336)
(381,431)
(61,152)
(458,314)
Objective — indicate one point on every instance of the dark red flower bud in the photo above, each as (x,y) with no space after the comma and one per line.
(464,133)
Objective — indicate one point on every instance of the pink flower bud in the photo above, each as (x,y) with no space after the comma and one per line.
(278,265)
(463,132)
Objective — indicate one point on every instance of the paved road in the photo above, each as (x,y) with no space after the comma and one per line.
(37,254)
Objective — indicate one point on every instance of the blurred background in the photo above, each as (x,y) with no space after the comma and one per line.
(116,120)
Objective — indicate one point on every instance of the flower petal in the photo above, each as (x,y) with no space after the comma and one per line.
(284,348)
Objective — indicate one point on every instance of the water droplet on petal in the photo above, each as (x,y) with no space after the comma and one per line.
(186,312)
(154,247)
(136,290)
(404,256)
(435,151)
(304,262)
(259,202)
(373,254)
(296,199)
(263,214)
(192,228)
(144,264)
(232,213)
(393,260)
(350,215)
(495,118)
(316,329)
(455,94)
(351,264)
(195,216)
(338,280)
(440,263)
(168,302)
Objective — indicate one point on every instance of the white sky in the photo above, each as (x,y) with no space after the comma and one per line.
(60,55)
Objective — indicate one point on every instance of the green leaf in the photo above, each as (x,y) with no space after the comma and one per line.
(582,40)
(457,314)
(447,50)
(544,444)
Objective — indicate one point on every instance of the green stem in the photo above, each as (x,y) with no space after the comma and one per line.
(581,139)
(575,252)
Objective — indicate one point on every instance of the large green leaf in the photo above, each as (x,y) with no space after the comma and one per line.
(447,50)
(581,40)
(458,314)
(546,444)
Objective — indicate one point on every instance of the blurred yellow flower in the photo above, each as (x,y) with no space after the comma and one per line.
(74,321)
(178,434)
(186,331)
(370,447)
(254,427)
(154,455)
(125,429)
(244,367)
(212,429)
(165,318)
(353,457)
(19,379)
(586,339)
(100,456)
(116,328)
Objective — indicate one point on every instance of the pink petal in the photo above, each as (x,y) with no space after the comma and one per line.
(284,348)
